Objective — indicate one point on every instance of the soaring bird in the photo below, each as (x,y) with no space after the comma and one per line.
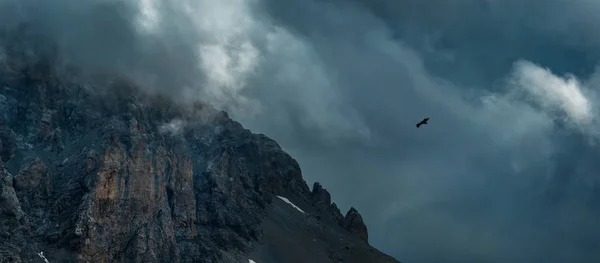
(424,121)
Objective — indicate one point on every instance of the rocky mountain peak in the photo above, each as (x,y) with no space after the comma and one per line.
(352,222)
(99,171)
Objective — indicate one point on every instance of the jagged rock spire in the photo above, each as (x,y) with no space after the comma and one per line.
(354,223)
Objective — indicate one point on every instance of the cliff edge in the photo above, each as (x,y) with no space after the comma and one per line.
(95,172)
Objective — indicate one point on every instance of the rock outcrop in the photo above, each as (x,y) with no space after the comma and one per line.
(352,222)
(97,171)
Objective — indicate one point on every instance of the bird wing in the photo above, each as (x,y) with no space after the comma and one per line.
(424,121)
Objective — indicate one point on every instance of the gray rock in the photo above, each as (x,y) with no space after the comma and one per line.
(97,180)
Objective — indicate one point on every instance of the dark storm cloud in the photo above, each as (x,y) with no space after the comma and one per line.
(556,33)
(480,183)
(503,172)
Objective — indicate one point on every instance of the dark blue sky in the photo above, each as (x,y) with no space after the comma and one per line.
(505,171)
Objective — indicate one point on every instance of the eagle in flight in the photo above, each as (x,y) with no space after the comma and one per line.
(424,121)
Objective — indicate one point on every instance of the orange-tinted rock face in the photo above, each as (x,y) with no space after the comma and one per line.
(129,196)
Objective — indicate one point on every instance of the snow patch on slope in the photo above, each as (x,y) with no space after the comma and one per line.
(41,255)
(290,203)
(251,261)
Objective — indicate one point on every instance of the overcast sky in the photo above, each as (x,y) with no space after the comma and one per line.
(505,171)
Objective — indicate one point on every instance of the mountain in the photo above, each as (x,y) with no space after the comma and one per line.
(96,170)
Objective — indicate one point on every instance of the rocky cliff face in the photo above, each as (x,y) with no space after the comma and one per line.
(100,172)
